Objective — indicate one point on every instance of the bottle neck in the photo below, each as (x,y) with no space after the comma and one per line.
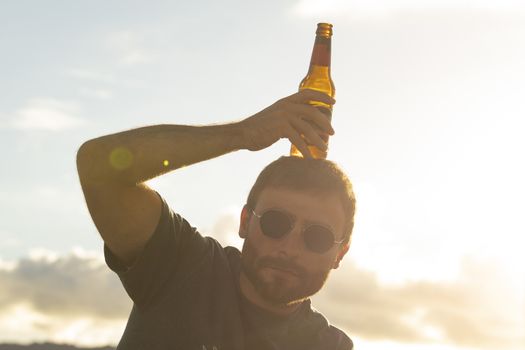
(321,53)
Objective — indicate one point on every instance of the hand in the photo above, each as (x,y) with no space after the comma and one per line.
(292,118)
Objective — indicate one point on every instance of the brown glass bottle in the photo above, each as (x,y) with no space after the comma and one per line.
(318,78)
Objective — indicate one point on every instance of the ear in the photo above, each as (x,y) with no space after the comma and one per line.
(245,220)
(340,255)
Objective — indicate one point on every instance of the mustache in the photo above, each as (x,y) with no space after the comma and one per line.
(282,264)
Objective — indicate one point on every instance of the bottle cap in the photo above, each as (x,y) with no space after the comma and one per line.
(324,29)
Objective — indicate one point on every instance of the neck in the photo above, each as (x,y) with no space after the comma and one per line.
(251,294)
(321,53)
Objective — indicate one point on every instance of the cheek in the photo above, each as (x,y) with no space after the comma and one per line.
(262,244)
(255,247)
(320,264)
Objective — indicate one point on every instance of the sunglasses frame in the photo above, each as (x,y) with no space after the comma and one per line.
(293,222)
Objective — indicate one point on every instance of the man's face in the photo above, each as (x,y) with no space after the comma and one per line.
(284,270)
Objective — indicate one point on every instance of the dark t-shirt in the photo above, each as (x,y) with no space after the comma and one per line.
(185,292)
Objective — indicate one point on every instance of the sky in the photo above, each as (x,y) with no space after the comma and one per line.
(428,121)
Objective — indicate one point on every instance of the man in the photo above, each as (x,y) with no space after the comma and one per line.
(188,291)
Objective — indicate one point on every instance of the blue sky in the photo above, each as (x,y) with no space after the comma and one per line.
(429,124)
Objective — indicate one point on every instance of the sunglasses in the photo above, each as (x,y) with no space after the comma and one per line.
(276,224)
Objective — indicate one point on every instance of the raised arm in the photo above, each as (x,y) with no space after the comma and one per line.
(113,168)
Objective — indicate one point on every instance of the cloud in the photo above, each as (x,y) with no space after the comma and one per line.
(97,93)
(104,81)
(226,228)
(382,8)
(8,240)
(75,298)
(84,74)
(478,310)
(71,298)
(47,114)
(129,46)
(21,324)
(72,285)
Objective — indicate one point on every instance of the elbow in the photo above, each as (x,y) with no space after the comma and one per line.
(85,158)
(93,165)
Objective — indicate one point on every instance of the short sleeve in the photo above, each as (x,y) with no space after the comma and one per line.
(339,339)
(173,243)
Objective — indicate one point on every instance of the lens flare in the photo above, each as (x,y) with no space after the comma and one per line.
(121,158)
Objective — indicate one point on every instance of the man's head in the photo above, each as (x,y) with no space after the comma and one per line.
(297,225)
(317,176)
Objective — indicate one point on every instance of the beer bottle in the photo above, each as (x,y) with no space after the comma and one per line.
(318,78)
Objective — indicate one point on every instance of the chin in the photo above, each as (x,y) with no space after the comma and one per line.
(275,293)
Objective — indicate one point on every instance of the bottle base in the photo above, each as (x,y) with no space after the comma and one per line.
(314,151)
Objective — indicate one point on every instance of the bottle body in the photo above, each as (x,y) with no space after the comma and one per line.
(319,78)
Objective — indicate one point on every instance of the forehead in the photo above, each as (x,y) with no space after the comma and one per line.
(305,205)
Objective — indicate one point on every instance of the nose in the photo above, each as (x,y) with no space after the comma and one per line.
(291,244)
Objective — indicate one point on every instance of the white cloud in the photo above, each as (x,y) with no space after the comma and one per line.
(47,114)
(97,93)
(8,240)
(226,228)
(105,81)
(84,74)
(71,298)
(129,46)
(76,298)
(54,200)
(382,8)
(478,310)
(73,286)
(4,121)
(20,323)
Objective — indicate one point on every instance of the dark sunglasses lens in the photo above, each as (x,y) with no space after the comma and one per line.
(275,224)
(318,239)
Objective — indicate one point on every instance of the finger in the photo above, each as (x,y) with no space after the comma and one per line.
(296,139)
(306,129)
(314,116)
(312,95)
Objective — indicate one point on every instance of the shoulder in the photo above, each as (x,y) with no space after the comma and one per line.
(338,339)
(330,336)
(232,253)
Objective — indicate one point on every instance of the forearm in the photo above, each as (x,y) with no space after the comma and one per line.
(134,156)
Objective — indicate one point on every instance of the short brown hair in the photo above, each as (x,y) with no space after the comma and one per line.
(307,174)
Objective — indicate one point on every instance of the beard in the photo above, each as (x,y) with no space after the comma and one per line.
(277,289)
